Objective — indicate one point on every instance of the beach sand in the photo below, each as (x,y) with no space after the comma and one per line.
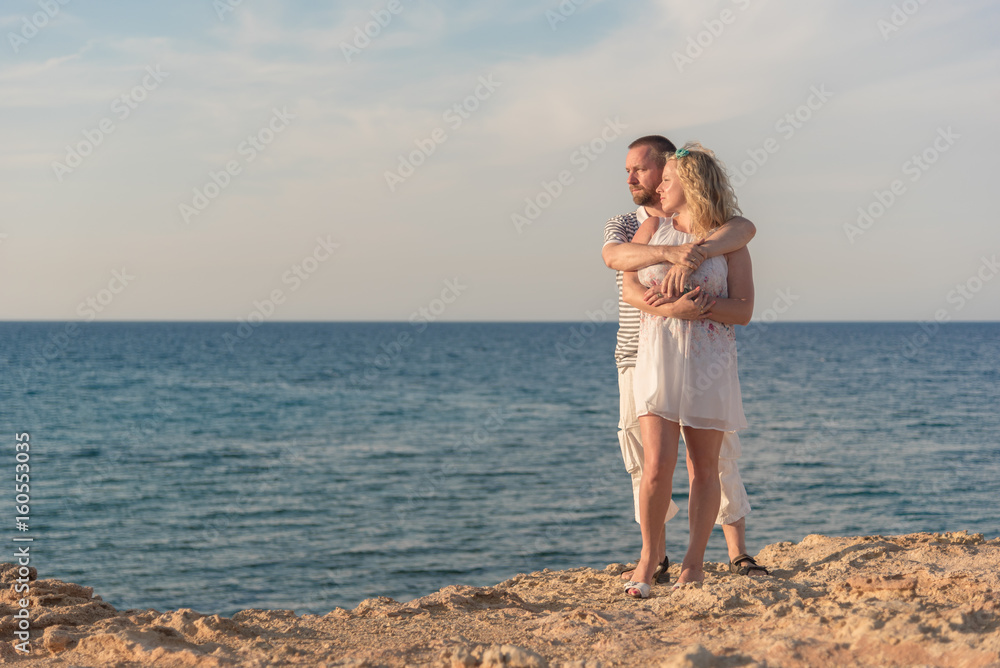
(919,599)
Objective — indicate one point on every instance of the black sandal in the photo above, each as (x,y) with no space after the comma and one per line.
(749,564)
(661,575)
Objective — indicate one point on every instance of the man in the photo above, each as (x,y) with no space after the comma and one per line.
(644,164)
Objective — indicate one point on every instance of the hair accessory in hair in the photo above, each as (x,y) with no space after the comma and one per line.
(681,152)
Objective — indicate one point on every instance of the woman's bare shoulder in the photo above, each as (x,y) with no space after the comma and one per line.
(646,230)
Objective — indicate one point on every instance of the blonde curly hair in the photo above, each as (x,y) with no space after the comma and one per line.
(710,197)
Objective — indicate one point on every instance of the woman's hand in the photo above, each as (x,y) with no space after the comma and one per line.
(655,298)
(695,305)
(672,284)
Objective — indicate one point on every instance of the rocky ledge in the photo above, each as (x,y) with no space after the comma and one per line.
(919,599)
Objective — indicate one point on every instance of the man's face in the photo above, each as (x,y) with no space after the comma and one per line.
(643,175)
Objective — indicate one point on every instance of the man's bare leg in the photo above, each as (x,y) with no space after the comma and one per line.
(736,537)
(736,542)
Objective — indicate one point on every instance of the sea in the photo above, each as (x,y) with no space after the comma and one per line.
(308,466)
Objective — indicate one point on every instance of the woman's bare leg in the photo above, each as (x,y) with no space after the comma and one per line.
(703,447)
(659,441)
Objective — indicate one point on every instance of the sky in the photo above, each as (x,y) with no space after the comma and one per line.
(245,160)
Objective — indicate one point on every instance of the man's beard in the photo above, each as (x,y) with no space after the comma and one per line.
(644,197)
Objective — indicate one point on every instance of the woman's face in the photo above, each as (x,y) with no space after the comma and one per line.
(670,189)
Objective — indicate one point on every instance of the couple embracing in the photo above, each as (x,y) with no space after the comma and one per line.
(684,280)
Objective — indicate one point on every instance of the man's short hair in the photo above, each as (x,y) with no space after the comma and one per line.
(660,145)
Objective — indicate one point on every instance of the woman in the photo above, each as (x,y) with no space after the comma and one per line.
(685,376)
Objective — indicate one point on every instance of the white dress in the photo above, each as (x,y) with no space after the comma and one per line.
(686,369)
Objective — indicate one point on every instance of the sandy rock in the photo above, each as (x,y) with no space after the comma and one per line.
(382,606)
(7,652)
(466,598)
(10,573)
(693,657)
(458,657)
(153,646)
(511,656)
(57,639)
(918,599)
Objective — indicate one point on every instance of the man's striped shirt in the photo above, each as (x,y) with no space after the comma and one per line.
(620,230)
